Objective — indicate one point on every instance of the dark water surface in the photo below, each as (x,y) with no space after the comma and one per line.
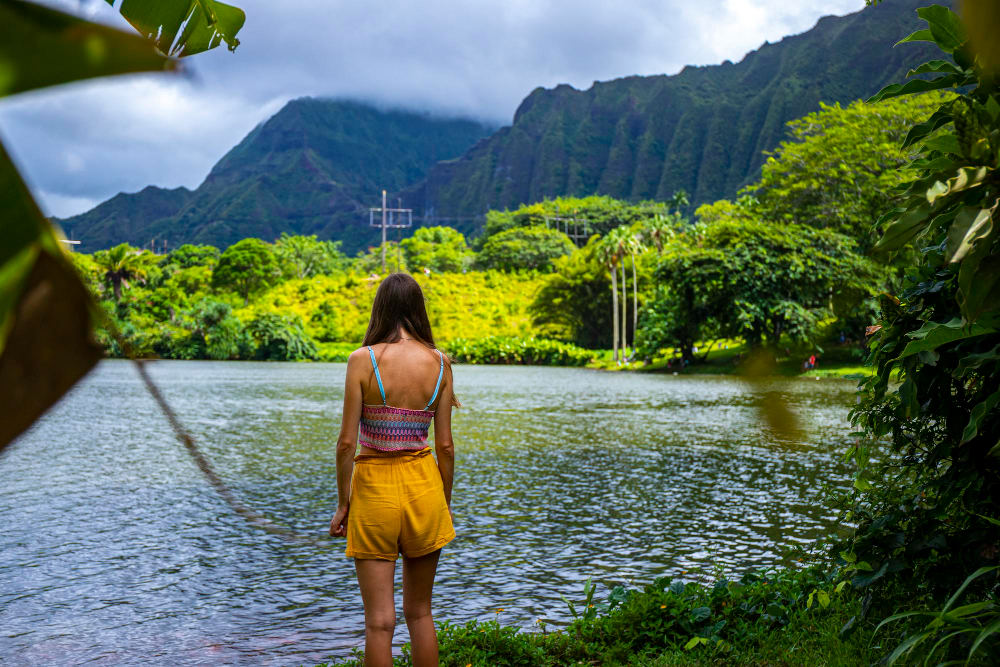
(114,549)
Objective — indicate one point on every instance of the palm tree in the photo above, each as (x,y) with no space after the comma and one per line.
(659,229)
(618,244)
(634,247)
(607,252)
(678,200)
(120,265)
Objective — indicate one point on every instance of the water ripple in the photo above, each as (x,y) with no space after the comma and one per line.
(116,551)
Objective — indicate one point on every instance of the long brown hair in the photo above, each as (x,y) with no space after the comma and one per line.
(399,304)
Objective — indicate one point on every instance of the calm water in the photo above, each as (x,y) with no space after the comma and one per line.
(114,549)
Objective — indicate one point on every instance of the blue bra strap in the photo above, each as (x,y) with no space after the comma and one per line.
(378,377)
(438,385)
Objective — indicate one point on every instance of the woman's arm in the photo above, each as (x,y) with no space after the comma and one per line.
(443,445)
(347,442)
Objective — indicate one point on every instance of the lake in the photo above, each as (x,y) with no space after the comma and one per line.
(116,551)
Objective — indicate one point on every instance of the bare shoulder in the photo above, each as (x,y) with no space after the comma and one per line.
(356,359)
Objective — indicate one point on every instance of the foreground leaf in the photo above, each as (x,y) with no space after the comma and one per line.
(199,30)
(42,47)
(45,326)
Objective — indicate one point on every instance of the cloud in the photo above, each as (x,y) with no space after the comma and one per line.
(86,142)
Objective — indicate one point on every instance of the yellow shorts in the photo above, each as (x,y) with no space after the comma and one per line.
(397,506)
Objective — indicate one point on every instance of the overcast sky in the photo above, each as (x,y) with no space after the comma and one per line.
(80,144)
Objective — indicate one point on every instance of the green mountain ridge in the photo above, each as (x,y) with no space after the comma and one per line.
(317,165)
(704,130)
(313,168)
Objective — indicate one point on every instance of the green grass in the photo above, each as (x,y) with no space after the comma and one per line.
(724,356)
(776,618)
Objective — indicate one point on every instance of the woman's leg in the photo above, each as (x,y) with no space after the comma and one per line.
(375,578)
(418,580)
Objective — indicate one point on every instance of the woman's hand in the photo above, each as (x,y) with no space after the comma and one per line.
(338,525)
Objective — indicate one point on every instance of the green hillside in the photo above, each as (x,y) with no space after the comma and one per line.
(313,168)
(704,130)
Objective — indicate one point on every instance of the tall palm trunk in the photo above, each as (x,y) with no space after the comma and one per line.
(624,314)
(635,305)
(614,311)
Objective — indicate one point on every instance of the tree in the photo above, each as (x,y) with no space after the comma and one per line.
(841,165)
(246,267)
(761,281)
(370,262)
(574,298)
(281,338)
(659,229)
(122,264)
(597,214)
(610,253)
(190,255)
(532,248)
(440,249)
(307,256)
(634,247)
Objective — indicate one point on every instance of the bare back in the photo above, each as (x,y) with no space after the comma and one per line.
(409,371)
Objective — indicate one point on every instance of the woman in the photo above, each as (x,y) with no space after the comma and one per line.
(393,498)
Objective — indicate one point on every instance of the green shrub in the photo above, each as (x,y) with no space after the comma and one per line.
(529,351)
(281,338)
(531,248)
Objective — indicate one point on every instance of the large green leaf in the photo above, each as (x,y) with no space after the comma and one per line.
(974,361)
(918,36)
(935,334)
(945,26)
(971,225)
(903,229)
(919,86)
(938,119)
(978,414)
(979,280)
(42,47)
(199,30)
(947,143)
(935,67)
(967,177)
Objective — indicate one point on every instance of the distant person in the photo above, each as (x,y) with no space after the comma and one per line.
(393,497)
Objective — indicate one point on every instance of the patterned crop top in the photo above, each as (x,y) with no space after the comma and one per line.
(390,429)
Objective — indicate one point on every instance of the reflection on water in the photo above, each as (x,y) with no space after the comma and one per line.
(115,550)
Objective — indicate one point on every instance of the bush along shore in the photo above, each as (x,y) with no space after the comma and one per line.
(774,617)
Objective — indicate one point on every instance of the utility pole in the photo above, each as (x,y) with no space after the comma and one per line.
(391,217)
(384,213)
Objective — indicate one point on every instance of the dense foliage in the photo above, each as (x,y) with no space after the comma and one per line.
(516,350)
(928,479)
(518,248)
(440,249)
(754,280)
(246,267)
(839,166)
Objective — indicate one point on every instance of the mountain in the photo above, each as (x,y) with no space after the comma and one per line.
(704,129)
(313,168)
(317,165)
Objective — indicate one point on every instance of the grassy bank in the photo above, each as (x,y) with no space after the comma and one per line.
(725,357)
(774,618)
